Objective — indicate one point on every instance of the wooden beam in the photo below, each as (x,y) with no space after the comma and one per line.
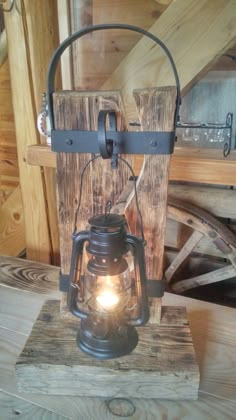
(38,242)
(194,32)
(41,41)
(187,164)
(12,225)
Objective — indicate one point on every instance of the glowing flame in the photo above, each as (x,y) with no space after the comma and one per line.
(107,299)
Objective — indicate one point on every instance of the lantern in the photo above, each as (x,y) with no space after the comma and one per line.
(108,287)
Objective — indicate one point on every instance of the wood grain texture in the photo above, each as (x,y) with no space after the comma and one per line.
(12,406)
(40,42)
(12,225)
(95,57)
(194,32)
(168,369)
(219,202)
(29,276)
(37,229)
(190,165)
(156,108)
(9,171)
(213,331)
(101,183)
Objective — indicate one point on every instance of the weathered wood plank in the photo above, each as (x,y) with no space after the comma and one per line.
(12,406)
(219,202)
(36,229)
(190,165)
(12,225)
(195,34)
(41,41)
(168,369)
(213,330)
(156,108)
(101,183)
(93,408)
(29,276)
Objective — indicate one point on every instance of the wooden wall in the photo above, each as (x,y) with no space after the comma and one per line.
(9,171)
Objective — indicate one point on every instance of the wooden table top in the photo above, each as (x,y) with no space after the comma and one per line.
(214,336)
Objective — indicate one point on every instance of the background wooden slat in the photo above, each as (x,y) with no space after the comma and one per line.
(9,171)
(190,165)
(40,42)
(37,230)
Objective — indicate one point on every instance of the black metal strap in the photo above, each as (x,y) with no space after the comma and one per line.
(59,51)
(124,142)
(155,288)
(64,282)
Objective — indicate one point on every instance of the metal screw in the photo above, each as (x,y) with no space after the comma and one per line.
(153,143)
(69,142)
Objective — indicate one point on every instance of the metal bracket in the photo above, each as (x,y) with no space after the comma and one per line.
(119,142)
(155,288)
(209,126)
(64,282)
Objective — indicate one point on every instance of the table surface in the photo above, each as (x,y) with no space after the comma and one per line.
(214,336)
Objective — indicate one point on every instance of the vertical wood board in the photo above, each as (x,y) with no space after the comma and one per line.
(75,110)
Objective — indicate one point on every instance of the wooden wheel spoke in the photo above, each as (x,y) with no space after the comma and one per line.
(214,276)
(185,251)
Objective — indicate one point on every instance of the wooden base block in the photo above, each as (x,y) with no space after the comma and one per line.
(163,365)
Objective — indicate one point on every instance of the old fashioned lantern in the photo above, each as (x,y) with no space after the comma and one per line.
(108,287)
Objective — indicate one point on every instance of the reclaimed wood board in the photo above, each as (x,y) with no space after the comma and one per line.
(79,110)
(163,365)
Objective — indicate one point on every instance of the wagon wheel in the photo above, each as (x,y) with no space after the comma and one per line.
(203,225)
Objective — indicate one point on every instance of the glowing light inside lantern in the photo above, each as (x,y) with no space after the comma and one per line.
(107,299)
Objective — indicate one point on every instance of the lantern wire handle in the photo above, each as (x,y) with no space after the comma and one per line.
(109,203)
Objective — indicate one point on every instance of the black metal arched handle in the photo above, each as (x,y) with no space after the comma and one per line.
(58,52)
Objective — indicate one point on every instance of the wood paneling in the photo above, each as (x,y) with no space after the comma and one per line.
(38,242)
(9,172)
